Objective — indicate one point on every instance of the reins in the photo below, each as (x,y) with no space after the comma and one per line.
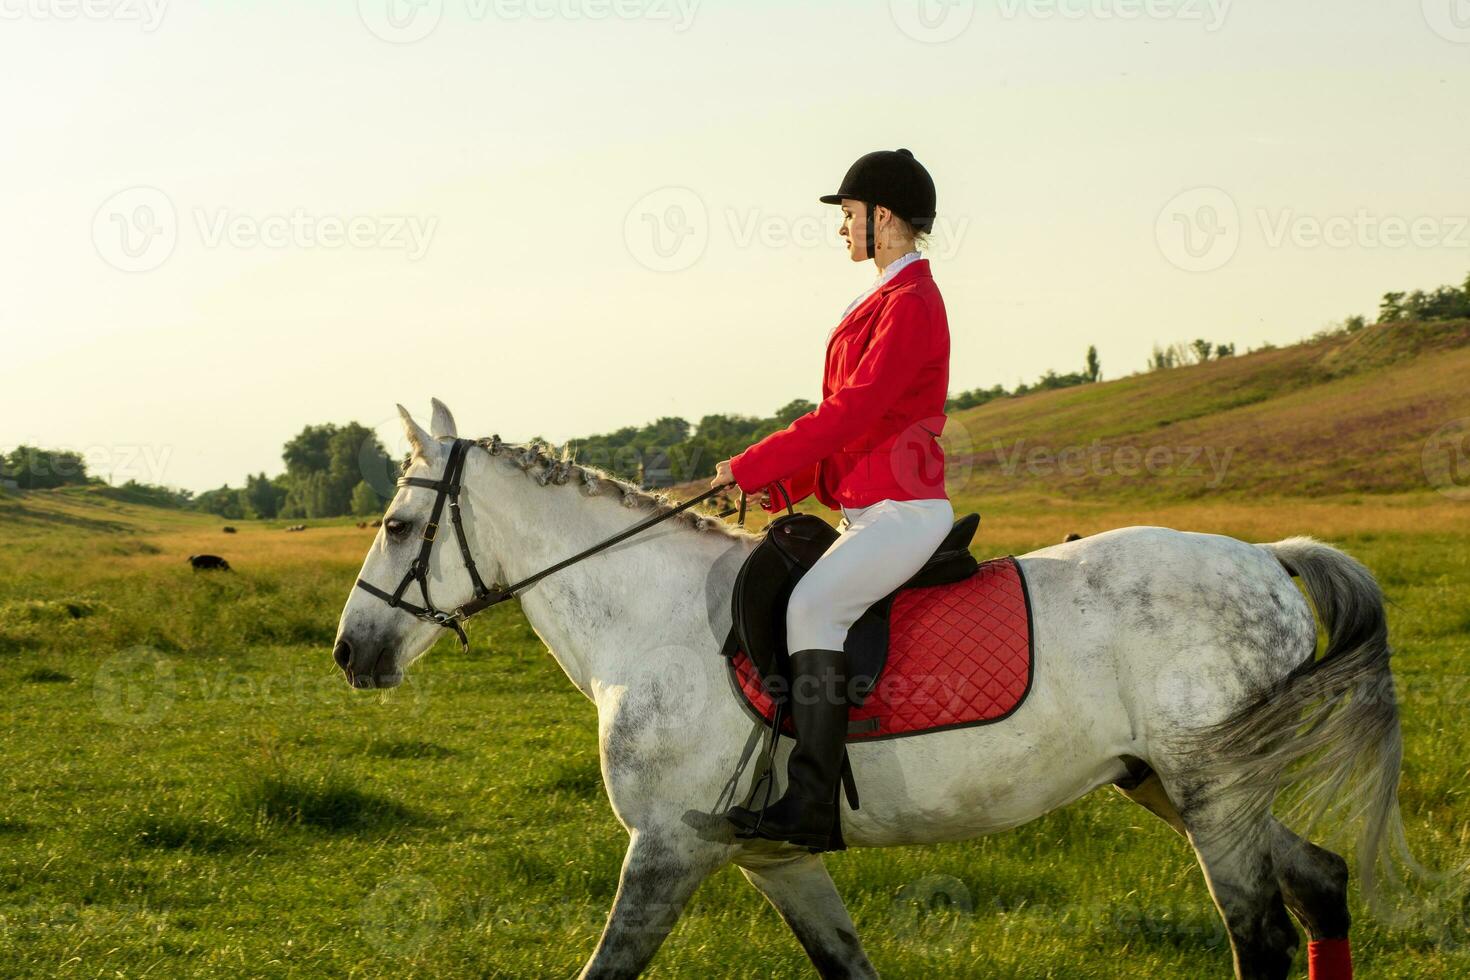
(447,489)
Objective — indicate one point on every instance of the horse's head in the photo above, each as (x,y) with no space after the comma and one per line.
(415,574)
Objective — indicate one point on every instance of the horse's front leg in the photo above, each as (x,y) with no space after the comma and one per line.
(660,872)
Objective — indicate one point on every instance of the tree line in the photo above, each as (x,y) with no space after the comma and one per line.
(1444,303)
(340,470)
(331,471)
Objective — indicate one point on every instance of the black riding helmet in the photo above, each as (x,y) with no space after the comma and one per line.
(894,179)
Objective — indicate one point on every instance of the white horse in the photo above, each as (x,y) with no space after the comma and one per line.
(1178,666)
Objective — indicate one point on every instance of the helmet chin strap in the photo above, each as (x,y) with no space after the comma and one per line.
(871,250)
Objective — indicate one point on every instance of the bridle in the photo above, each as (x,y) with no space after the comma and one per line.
(447,489)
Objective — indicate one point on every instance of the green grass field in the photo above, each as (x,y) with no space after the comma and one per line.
(191,790)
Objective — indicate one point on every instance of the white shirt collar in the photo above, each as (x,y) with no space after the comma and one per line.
(893,269)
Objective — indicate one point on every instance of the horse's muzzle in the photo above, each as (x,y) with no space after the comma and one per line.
(366,676)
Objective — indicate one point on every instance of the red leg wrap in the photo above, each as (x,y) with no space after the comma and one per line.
(1329,959)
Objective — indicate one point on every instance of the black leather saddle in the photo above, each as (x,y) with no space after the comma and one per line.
(791,546)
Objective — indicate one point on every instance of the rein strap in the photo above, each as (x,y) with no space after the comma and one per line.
(447,489)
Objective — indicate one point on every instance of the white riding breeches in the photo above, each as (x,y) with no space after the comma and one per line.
(878,548)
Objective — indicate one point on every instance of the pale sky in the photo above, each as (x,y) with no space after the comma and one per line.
(225,221)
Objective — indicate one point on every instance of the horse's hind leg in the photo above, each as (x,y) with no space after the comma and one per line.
(1149,794)
(1236,858)
(803,893)
(1314,882)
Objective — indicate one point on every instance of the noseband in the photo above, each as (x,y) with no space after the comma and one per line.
(447,489)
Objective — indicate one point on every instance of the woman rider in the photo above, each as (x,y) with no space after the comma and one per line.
(870,449)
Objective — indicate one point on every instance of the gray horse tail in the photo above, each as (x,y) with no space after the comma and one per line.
(1328,730)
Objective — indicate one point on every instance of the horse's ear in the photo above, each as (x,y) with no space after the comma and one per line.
(417,437)
(443,424)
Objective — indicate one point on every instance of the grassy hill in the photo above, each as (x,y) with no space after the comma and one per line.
(1347,414)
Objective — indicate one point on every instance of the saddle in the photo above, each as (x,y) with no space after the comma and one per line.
(791,546)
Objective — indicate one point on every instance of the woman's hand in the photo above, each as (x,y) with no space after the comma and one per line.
(723,478)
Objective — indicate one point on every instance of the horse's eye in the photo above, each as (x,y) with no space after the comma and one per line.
(396,528)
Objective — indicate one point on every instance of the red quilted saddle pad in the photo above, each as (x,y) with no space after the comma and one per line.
(958,655)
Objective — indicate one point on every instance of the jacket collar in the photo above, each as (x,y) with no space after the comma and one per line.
(919,268)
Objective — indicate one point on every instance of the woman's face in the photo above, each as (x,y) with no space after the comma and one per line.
(854,229)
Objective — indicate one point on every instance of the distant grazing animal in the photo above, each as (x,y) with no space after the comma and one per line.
(297,527)
(377,523)
(208,563)
(362,523)
(1074,536)
(228,529)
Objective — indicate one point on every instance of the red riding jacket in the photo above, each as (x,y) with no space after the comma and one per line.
(875,436)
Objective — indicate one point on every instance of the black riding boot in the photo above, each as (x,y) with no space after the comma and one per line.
(807,812)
